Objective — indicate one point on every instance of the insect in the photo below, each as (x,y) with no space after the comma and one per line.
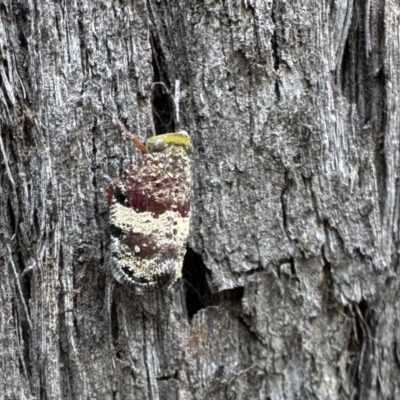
(149,213)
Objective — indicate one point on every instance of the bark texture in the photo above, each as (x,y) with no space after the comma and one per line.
(291,287)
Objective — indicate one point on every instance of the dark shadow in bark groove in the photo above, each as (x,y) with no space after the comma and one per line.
(166,378)
(115,328)
(327,285)
(363,80)
(197,292)
(275,48)
(357,346)
(161,99)
(11,216)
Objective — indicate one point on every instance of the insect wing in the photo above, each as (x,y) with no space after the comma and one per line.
(150,220)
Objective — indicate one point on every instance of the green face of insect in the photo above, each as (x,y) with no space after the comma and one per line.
(160,142)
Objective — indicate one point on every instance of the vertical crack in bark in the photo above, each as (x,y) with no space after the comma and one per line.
(115,328)
(161,99)
(284,203)
(292,266)
(363,79)
(22,337)
(83,50)
(343,41)
(275,47)
(94,172)
(11,215)
(327,285)
(274,37)
(197,291)
(359,368)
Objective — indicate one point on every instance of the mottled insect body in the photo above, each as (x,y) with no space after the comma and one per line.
(149,215)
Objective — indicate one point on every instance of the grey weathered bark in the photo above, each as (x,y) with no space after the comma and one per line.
(291,286)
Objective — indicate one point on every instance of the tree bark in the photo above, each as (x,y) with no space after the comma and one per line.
(290,285)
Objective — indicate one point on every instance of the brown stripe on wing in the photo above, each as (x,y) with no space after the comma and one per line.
(156,184)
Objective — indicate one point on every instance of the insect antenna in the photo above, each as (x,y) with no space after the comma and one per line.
(142,148)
